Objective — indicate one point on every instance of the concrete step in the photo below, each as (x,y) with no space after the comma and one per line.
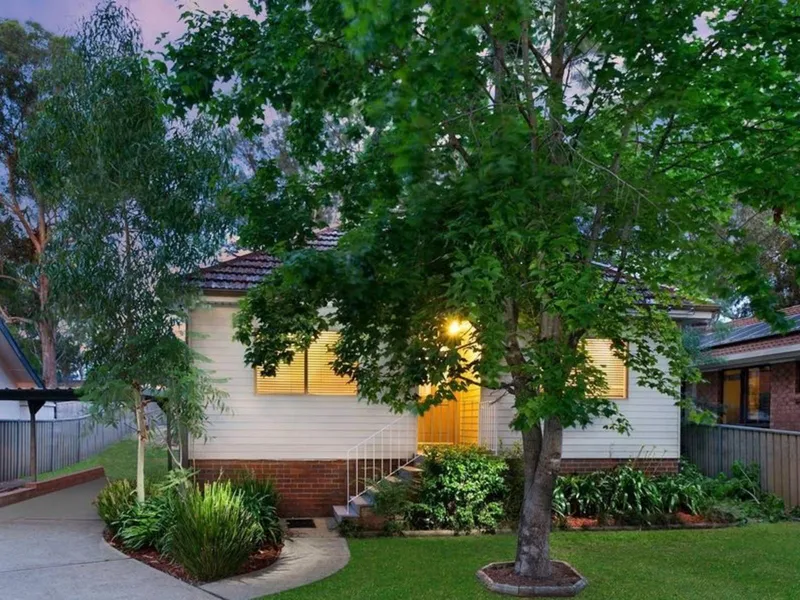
(341,513)
(409,473)
(360,502)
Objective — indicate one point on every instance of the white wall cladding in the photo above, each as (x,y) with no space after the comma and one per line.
(654,418)
(326,427)
(267,426)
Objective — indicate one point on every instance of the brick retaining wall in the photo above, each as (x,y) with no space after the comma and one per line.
(33,489)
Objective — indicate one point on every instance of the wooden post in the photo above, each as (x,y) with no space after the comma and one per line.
(33,408)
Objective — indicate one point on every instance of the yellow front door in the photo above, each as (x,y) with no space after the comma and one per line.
(439,425)
(454,422)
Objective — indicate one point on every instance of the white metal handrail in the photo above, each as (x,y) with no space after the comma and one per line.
(487,425)
(380,455)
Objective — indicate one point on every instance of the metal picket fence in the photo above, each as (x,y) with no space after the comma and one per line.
(60,443)
(715,449)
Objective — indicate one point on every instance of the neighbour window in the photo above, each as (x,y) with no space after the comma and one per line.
(615,370)
(746,395)
(309,373)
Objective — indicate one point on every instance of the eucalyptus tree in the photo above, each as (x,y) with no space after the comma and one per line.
(545,170)
(140,196)
(27,216)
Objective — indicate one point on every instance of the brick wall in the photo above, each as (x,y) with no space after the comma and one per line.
(708,391)
(310,488)
(784,401)
(34,489)
(651,466)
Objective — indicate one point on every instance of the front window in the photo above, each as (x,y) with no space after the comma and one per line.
(310,373)
(602,356)
(746,396)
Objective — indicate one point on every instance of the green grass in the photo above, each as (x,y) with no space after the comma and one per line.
(757,562)
(754,562)
(119,462)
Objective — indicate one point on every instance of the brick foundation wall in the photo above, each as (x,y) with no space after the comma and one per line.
(651,466)
(308,488)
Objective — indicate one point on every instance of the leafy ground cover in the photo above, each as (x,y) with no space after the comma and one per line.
(752,562)
(119,462)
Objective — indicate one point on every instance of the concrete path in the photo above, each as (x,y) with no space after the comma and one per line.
(303,561)
(51,548)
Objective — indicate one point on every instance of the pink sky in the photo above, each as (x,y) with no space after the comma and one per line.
(155,16)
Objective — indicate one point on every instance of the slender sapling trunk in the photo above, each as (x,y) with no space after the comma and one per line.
(141,434)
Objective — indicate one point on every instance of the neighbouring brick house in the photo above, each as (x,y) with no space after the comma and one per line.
(306,428)
(753,375)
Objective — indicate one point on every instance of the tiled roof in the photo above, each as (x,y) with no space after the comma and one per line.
(748,330)
(244,272)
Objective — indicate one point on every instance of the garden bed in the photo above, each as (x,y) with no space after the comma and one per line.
(682,520)
(260,559)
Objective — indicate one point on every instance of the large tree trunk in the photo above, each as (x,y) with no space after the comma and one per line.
(48,341)
(542,458)
(47,334)
(141,434)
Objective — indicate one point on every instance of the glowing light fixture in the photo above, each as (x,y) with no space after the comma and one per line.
(455,327)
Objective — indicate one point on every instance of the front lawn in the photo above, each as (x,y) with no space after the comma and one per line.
(756,562)
(119,462)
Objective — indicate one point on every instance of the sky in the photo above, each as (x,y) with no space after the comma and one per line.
(155,16)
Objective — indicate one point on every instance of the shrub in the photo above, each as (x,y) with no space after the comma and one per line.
(686,490)
(213,533)
(462,488)
(629,495)
(515,483)
(114,500)
(260,498)
(744,487)
(148,525)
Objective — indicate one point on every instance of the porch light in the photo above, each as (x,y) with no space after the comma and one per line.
(456,327)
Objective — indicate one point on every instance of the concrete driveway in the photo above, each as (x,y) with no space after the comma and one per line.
(51,548)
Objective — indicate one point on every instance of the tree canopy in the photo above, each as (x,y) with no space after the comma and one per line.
(139,194)
(545,171)
(27,217)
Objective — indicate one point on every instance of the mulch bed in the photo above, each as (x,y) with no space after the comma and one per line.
(681,520)
(260,559)
(563,576)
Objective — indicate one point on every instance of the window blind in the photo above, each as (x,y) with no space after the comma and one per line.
(309,373)
(289,378)
(614,368)
(322,381)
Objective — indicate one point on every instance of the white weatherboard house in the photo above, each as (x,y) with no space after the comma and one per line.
(307,429)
